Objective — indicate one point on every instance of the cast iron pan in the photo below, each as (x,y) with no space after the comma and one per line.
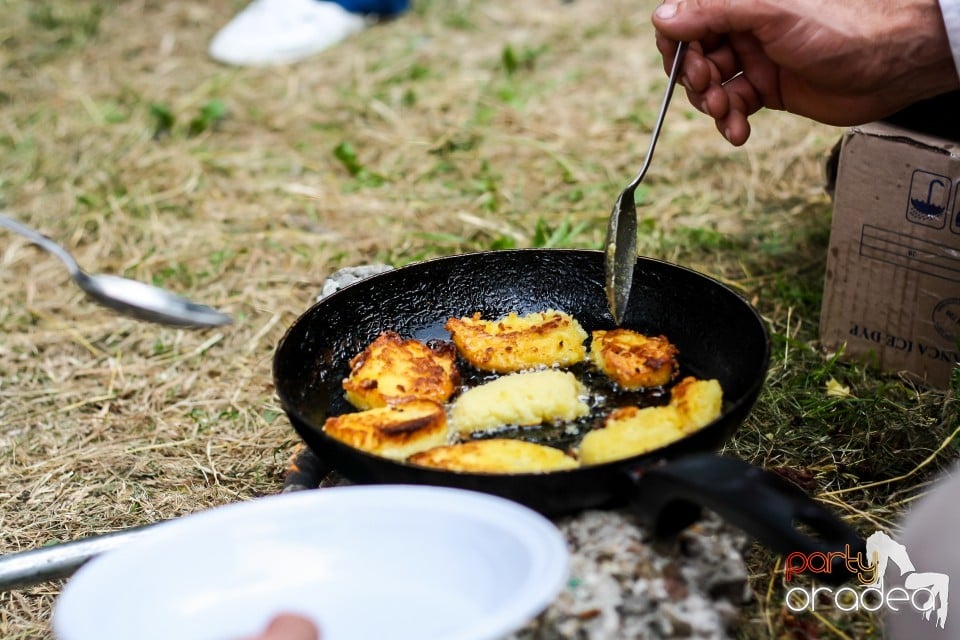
(719,335)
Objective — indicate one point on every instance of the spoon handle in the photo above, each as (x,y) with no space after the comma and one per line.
(39,239)
(674,73)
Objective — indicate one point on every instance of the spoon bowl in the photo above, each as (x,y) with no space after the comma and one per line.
(620,248)
(129,297)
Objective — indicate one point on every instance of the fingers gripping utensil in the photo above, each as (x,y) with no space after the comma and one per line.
(130,297)
(620,250)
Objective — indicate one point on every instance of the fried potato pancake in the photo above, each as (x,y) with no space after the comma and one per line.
(633,360)
(698,402)
(631,431)
(514,343)
(393,368)
(497,455)
(522,399)
(395,431)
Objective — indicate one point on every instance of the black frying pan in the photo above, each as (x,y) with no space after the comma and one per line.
(719,335)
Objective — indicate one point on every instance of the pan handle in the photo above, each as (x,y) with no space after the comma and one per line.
(669,497)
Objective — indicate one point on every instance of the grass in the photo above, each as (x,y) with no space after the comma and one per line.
(465,125)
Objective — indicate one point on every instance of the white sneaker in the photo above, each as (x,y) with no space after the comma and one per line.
(272,32)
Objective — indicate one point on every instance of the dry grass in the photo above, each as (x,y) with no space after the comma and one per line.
(466,124)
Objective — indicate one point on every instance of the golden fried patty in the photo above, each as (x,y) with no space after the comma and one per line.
(396,431)
(497,455)
(698,402)
(514,343)
(522,399)
(631,431)
(633,360)
(393,368)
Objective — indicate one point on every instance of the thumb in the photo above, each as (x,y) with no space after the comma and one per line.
(692,20)
(286,626)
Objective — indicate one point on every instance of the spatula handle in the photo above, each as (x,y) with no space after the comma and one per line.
(28,568)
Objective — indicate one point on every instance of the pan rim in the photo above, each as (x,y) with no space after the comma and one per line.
(742,404)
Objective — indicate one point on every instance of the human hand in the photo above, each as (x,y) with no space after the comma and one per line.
(839,63)
(288,626)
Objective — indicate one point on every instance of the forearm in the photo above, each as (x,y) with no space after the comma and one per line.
(914,49)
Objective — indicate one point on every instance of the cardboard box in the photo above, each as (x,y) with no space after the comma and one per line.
(892,286)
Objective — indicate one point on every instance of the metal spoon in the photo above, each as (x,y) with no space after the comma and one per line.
(130,297)
(620,250)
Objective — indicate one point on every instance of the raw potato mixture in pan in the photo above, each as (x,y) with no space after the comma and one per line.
(558,406)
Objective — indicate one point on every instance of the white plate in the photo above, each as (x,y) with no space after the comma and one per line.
(369,562)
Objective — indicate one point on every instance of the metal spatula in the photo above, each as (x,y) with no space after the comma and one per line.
(621,245)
